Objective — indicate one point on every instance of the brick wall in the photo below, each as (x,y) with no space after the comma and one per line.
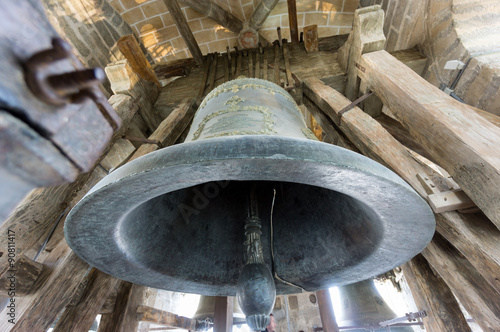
(451,30)
(152,22)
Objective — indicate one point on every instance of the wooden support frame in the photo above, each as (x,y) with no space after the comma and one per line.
(261,13)
(161,317)
(184,29)
(424,111)
(223,315)
(292,19)
(132,51)
(378,144)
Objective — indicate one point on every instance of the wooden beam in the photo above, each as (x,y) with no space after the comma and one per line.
(433,295)
(216,13)
(261,13)
(465,231)
(184,29)
(223,314)
(326,311)
(81,316)
(132,51)
(367,36)
(292,19)
(474,293)
(20,278)
(124,315)
(463,143)
(169,129)
(160,317)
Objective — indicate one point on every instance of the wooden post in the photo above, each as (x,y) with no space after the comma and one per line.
(367,36)
(432,295)
(203,84)
(474,293)
(326,311)
(213,72)
(223,316)
(277,63)
(292,18)
(378,144)
(184,29)
(250,63)
(131,50)
(463,144)
(257,64)
(216,13)
(264,66)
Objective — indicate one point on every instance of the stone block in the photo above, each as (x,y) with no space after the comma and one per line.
(178,44)
(218,46)
(315,18)
(195,25)
(150,25)
(208,23)
(129,4)
(281,8)
(248,11)
(166,34)
(327,31)
(285,22)
(191,14)
(154,8)
(149,40)
(167,20)
(117,5)
(205,36)
(272,22)
(341,19)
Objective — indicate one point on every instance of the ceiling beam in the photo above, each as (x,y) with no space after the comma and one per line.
(261,13)
(216,13)
(184,30)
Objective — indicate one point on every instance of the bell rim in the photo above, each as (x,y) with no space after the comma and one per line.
(292,150)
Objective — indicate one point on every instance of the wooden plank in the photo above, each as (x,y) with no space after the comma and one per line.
(367,36)
(184,29)
(250,63)
(233,66)
(131,50)
(81,316)
(223,314)
(264,66)
(433,295)
(257,64)
(449,201)
(290,83)
(238,63)
(474,293)
(424,111)
(477,239)
(24,272)
(292,19)
(216,13)
(226,69)
(213,72)
(277,63)
(52,297)
(169,129)
(427,183)
(124,315)
(311,42)
(326,313)
(203,84)
(156,316)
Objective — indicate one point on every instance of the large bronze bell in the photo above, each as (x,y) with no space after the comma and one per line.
(206,309)
(362,306)
(250,196)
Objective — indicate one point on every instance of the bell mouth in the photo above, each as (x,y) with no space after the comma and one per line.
(174,219)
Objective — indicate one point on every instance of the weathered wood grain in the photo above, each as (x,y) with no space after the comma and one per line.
(223,314)
(462,142)
(311,42)
(292,19)
(433,295)
(261,13)
(474,293)
(79,318)
(161,317)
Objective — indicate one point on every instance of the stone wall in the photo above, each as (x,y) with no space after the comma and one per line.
(447,30)
(152,22)
(302,310)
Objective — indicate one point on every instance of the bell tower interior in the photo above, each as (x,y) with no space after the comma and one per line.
(250,165)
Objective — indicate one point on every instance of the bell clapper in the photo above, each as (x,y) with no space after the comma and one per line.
(256,289)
